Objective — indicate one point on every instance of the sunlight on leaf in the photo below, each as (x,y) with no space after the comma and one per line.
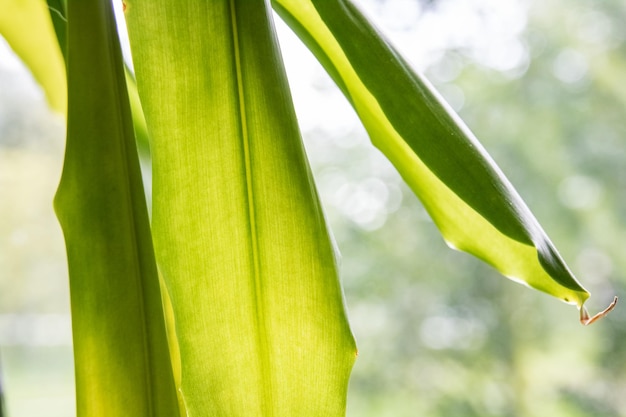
(120,346)
(240,237)
(475,207)
(26,26)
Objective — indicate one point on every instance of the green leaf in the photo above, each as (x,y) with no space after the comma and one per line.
(239,233)
(139,121)
(473,204)
(121,352)
(26,26)
(58,15)
(2,411)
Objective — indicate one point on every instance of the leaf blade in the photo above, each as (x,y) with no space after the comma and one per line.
(467,195)
(243,247)
(122,362)
(26,26)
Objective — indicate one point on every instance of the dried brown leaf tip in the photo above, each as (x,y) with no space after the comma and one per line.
(586,320)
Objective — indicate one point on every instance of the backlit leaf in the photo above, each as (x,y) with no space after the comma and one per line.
(239,233)
(121,352)
(469,198)
(26,26)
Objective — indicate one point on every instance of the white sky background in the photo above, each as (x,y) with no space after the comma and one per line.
(488,30)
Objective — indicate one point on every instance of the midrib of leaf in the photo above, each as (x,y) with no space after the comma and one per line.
(264,355)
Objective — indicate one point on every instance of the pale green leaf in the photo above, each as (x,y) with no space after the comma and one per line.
(139,121)
(473,204)
(121,352)
(26,26)
(239,234)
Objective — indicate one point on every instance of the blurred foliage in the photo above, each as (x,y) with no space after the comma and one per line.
(439,333)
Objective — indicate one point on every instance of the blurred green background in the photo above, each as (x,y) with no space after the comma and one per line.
(543,86)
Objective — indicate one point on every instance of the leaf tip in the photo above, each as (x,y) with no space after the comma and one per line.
(585,320)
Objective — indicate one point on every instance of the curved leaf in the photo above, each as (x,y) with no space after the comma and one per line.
(469,198)
(240,237)
(120,346)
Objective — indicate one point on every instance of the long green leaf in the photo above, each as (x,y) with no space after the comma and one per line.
(473,204)
(2,410)
(58,15)
(239,233)
(121,353)
(27,27)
